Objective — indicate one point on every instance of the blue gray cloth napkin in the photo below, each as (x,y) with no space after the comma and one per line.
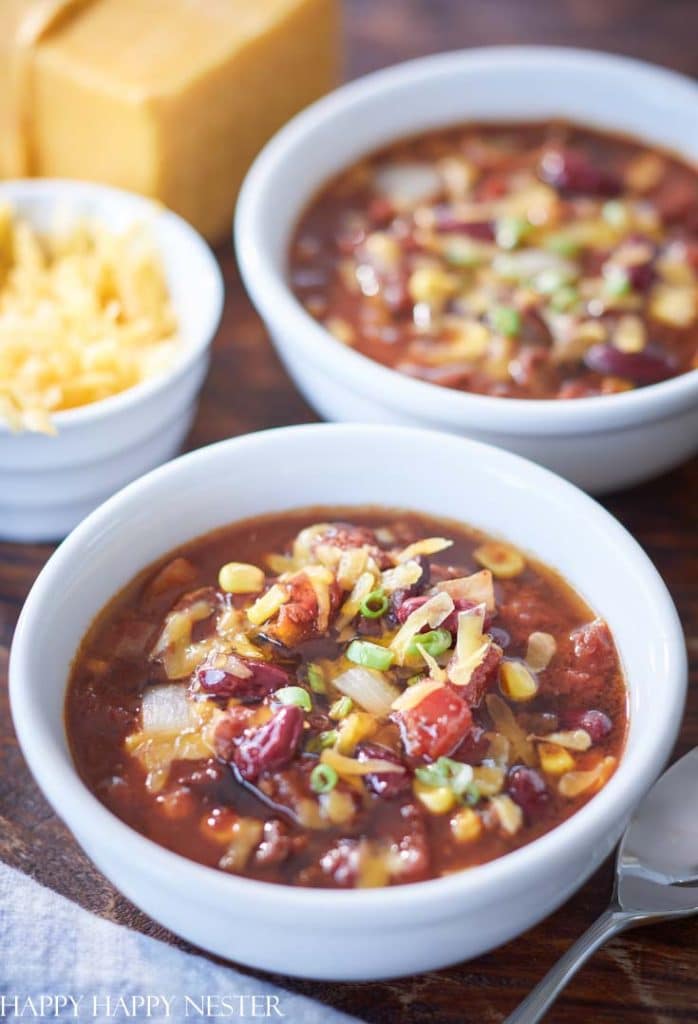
(59,962)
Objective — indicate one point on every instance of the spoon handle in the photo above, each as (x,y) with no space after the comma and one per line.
(546,991)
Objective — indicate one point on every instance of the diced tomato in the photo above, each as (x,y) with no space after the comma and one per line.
(436,725)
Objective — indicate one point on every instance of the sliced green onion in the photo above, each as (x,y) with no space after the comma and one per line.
(321,741)
(316,679)
(374,604)
(505,320)
(551,279)
(563,245)
(462,254)
(564,298)
(511,231)
(323,778)
(616,281)
(363,652)
(341,708)
(471,795)
(615,213)
(435,642)
(294,695)
(456,775)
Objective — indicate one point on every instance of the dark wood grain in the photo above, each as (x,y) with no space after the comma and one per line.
(646,976)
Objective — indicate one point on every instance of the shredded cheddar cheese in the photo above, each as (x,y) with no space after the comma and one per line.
(84,314)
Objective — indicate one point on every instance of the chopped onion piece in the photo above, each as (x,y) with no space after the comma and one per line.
(573,783)
(540,650)
(166,708)
(350,766)
(478,587)
(502,560)
(407,184)
(505,723)
(509,813)
(426,546)
(414,695)
(368,688)
(572,739)
(432,613)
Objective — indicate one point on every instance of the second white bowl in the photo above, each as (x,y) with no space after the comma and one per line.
(599,443)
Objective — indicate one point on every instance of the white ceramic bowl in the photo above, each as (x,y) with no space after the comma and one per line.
(51,483)
(599,443)
(367,933)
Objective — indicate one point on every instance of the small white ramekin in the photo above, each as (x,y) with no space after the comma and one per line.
(50,483)
(599,443)
(366,933)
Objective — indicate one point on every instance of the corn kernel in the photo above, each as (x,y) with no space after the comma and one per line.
(466,825)
(338,806)
(502,560)
(517,682)
(673,305)
(555,760)
(431,285)
(240,578)
(341,329)
(436,799)
(630,334)
(357,726)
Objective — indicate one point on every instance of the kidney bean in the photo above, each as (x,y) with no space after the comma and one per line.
(385,784)
(265,678)
(639,367)
(449,223)
(570,171)
(596,723)
(272,745)
(528,789)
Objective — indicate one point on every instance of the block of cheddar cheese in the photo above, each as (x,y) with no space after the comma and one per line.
(170,98)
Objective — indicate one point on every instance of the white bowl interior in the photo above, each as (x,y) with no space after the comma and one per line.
(303,466)
(193,277)
(497,84)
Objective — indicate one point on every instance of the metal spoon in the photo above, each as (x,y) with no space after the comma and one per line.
(656,879)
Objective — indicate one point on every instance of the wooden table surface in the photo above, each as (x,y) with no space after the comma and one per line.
(645,976)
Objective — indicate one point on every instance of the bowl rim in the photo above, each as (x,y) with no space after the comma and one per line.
(56,774)
(267,286)
(72,191)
